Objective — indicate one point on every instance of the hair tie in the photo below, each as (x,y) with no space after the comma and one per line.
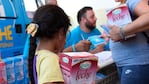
(32,29)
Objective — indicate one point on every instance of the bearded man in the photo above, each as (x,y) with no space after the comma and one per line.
(77,39)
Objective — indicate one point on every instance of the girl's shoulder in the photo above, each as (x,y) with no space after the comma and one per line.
(45,54)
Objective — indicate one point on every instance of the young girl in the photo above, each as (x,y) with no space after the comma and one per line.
(50,25)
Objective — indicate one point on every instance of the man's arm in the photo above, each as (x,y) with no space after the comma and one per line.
(68,49)
(99,48)
(83,45)
(141,24)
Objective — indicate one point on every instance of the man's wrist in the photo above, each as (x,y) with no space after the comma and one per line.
(73,48)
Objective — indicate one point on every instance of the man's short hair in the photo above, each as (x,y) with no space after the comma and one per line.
(81,12)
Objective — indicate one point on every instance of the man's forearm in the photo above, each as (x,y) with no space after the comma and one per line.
(139,25)
(68,49)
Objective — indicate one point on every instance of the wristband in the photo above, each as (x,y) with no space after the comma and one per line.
(73,48)
(122,34)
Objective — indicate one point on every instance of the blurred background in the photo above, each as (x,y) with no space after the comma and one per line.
(71,7)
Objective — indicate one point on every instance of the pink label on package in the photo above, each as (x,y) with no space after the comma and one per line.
(119,16)
(78,67)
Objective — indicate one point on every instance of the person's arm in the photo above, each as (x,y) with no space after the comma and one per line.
(68,49)
(83,45)
(142,22)
(139,25)
(99,48)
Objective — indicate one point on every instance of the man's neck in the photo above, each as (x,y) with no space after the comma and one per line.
(85,29)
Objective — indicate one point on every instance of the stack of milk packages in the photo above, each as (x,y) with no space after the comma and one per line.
(13,70)
(119,16)
(3,79)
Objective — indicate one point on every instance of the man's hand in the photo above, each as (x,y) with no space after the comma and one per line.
(105,36)
(115,33)
(98,48)
(83,45)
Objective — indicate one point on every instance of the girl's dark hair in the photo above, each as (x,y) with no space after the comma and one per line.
(50,19)
(82,12)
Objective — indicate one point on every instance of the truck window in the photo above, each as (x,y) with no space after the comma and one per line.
(31,6)
(2,13)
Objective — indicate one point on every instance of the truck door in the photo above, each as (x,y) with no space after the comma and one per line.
(12,27)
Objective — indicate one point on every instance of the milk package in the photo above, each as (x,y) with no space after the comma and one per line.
(96,40)
(3,79)
(78,67)
(119,16)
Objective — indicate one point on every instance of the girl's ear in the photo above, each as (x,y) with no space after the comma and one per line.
(61,34)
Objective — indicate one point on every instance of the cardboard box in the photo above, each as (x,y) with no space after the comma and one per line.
(78,67)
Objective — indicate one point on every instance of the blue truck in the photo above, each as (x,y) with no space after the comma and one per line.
(13,22)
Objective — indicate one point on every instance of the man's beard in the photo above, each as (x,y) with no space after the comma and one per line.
(90,26)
